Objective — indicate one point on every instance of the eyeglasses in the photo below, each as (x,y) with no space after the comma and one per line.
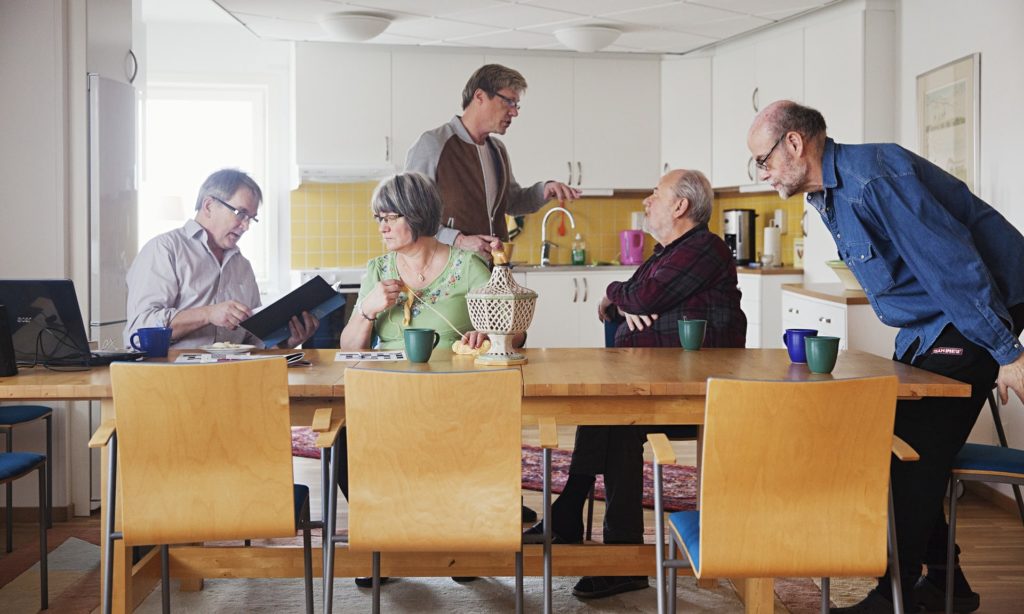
(762,162)
(390,218)
(243,216)
(511,103)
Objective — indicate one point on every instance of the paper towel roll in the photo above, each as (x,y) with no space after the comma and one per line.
(773,244)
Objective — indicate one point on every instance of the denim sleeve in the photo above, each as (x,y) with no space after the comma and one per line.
(941,255)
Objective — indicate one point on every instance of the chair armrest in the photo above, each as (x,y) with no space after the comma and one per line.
(548,432)
(322,420)
(102,434)
(663,452)
(903,451)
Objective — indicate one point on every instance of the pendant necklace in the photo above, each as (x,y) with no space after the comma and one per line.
(420,274)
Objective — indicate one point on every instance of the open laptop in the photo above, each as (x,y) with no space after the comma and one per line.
(47,327)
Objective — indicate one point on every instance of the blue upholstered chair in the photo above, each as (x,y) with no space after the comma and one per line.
(14,465)
(979,463)
(794,482)
(14,415)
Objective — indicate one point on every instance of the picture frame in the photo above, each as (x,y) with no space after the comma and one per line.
(948,117)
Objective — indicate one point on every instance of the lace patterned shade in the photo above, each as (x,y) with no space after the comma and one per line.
(501,308)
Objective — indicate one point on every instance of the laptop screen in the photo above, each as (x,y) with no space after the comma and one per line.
(46,323)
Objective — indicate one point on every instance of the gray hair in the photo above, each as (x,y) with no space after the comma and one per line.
(224,183)
(695,187)
(491,78)
(789,116)
(413,196)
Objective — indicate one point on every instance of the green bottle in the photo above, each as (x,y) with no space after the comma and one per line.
(579,250)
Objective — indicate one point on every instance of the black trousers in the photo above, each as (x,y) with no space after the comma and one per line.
(936,428)
(617,452)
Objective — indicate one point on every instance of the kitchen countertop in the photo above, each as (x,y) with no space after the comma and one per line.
(563,268)
(829,292)
(779,270)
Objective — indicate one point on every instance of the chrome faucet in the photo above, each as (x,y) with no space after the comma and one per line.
(545,245)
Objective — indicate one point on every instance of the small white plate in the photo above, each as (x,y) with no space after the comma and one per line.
(227,350)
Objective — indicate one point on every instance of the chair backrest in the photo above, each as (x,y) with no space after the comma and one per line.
(204,451)
(434,460)
(795,477)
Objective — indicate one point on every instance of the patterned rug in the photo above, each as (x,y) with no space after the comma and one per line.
(304,442)
(74,573)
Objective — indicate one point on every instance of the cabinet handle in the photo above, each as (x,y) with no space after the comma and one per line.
(579,173)
(793,310)
(387,149)
(825,320)
(750,167)
(753,99)
(135,66)
(586,289)
(664,169)
(575,289)
(569,164)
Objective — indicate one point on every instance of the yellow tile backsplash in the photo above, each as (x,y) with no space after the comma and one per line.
(331,225)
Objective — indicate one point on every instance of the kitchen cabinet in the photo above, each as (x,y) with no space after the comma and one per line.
(686,114)
(566,311)
(342,106)
(833,312)
(744,80)
(574,127)
(761,302)
(109,41)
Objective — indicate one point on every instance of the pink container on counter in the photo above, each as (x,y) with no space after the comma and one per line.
(631,244)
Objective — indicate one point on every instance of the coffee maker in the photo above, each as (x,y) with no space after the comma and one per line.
(739,234)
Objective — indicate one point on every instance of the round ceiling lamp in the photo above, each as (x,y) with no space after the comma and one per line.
(354,27)
(587,39)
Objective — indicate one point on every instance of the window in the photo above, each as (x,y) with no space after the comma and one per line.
(189,131)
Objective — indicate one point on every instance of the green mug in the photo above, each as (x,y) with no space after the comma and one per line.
(419,343)
(821,353)
(691,333)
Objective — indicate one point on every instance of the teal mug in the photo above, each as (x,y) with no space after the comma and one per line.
(821,353)
(420,343)
(691,333)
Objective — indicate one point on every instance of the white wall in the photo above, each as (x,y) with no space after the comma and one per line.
(934,32)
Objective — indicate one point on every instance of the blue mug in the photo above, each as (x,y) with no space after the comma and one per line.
(154,341)
(794,340)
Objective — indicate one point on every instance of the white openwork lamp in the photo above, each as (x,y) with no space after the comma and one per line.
(587,39)
(354,27)
(501,308)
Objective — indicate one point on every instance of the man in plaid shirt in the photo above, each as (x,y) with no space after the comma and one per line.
(691,274)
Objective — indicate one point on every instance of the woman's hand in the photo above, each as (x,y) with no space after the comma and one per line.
(474,338)
(384,295)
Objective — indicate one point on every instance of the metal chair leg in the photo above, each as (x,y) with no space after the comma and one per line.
(330,489)
(547,530)
(307,557)
(165,579)
(49,471)
(951,550)
(376,583)
(894,561)
(10,498)
(44,581)
(825,595)
(590,513)
(672,573)
(1001,434)
(108,545)
(519,582)
(659,540)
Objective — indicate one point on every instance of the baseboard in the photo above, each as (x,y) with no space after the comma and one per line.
(1000,499)
(31,514)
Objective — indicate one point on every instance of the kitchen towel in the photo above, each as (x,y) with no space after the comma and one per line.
(773,244)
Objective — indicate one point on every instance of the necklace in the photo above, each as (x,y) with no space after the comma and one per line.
(421,274)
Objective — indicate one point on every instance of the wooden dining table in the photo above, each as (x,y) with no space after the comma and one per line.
(621,386)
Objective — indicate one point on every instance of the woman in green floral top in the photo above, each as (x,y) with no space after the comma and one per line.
(407,208)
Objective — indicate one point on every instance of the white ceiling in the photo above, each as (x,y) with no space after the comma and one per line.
(649,26)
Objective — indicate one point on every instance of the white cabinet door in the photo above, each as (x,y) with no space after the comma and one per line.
(555,318)
(427,92)
(732,86)
(594,284)
(616,131)
(780,69)
(835,75)
(539,141)
(342,105)
(686,114)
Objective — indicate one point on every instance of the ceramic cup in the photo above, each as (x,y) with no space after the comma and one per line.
(821,353)
(691,333)
(420,343)
(153,341)
(794,340)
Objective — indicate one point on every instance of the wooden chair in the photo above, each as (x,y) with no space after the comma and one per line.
(794,482)
(434,466)
(16,415)
(200,453)
(15,465)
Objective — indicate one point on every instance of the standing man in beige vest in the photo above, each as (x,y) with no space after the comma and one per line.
(472,169)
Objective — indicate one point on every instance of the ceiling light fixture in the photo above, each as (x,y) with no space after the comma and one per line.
(587,39)
(354,27)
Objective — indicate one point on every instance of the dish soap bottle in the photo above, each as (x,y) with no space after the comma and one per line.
(579,250)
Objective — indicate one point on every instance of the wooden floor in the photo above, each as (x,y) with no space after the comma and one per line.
(991,535)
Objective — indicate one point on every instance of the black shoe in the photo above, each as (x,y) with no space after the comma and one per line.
(465,579)
(595,587)
(874,603)
(538,530)
(933,597)
(367,582)
(529,515)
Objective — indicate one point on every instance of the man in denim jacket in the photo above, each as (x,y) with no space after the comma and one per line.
(941,265)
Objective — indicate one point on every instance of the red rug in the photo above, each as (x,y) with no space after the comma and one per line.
(304,442)
(680,481)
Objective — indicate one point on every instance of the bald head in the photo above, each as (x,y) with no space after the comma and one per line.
(784,116)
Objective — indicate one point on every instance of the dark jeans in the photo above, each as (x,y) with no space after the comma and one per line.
(936,428)
(617,452)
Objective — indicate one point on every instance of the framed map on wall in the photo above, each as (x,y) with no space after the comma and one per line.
(948,117)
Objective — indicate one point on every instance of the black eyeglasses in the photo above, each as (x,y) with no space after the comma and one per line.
(762,162)
(511,103)
(390,218)
(243,216)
